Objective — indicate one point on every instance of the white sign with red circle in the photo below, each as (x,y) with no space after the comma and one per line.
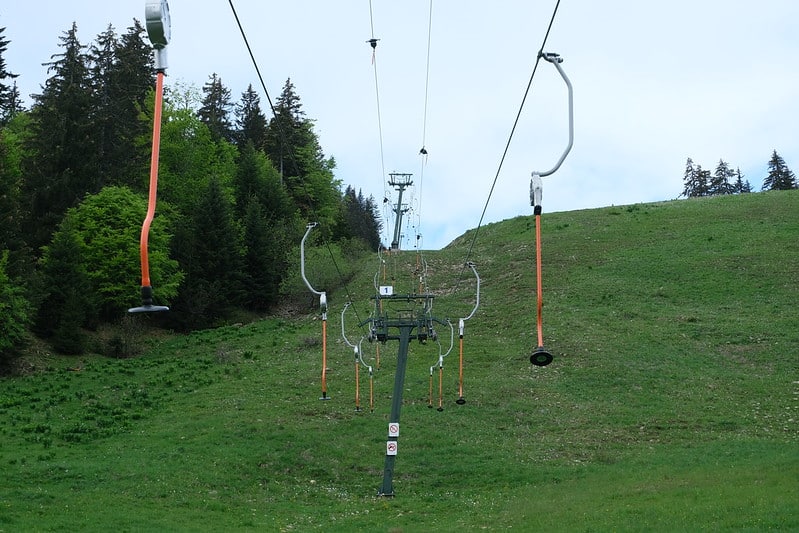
(391,447)
(393,429)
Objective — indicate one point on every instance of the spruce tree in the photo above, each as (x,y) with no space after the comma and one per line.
(10,177)
(741,186)
(67,298)
(208,248)
(294,149)
(360,219)
(122,77)
(9,96)
(265,259)
(216,108)
(695,180)
(780,177)
(250,120)
(101,57)
(15,312)
(62,164)
(288,134)
(720,182)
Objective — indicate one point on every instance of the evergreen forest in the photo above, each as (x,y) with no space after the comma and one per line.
(236,188)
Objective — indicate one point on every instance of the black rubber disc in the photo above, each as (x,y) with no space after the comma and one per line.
(541,357)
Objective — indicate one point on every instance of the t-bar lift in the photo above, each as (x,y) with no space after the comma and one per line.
(156,14)
(541,357)
(322,306)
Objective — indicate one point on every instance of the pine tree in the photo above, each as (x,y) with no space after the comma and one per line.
(15,312)
(63,308)
(295,150)
(250,120)
(741,186)
(720,182)
(360,219)
(209,250)
(12,154)
(288,134)
(215,109)
(101,57)
(62,166)
(265,261)
(695,180)
(9,193)
(780,177)
(9,95)
(122,76)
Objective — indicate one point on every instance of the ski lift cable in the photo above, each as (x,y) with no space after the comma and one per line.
(423,150)
(510,137)
(373,43)
(283,139)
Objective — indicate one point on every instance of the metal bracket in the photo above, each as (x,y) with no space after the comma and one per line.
(536,186)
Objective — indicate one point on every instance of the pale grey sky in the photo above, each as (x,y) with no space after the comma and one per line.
(654,83)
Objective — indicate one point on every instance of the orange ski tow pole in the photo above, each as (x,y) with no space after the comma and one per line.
(541,357)
(158,30)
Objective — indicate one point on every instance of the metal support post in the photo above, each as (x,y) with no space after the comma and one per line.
(387,489)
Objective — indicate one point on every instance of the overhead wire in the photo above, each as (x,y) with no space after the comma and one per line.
(507,144)
(283,139)
(423,150)
(386,195)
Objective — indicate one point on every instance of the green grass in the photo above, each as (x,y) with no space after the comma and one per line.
(672,403)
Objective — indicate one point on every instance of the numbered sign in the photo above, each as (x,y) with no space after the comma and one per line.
(386,290)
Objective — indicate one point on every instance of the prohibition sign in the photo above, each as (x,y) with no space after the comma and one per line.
(391,447)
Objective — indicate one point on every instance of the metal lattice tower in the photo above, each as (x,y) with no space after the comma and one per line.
(400,181)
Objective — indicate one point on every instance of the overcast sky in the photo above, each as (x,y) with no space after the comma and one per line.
(654,84)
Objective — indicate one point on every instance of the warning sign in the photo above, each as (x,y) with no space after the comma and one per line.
(391,447)
(393,429)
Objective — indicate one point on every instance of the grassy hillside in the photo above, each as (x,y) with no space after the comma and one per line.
(671,405)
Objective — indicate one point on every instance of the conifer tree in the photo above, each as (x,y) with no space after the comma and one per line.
(265,258)
(63,309)
(208,248)
(695,180)
(295,150)
(61,167)
(9,192)
(720,182)
(290,142)
(250,120)
(360,219)
(9,95)
(216,108)
(780,177)
(101,58)
(15,312)
(122,77)
(741,186)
